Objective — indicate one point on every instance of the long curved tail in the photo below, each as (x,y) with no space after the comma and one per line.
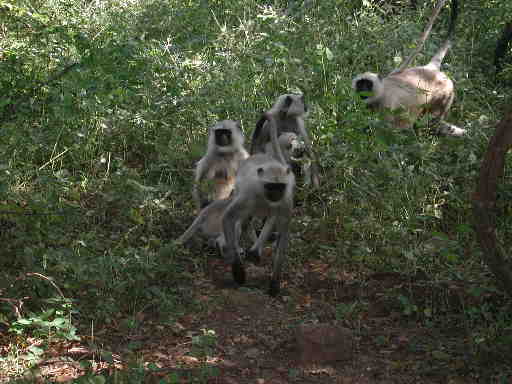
(276,148)
(439,56)
(442,52)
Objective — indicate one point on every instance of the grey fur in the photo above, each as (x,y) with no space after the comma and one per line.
(264,187)
(221,162)
(289,112)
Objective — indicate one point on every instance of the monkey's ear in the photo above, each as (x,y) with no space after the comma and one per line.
(238,124)
(260,171)
(379,76)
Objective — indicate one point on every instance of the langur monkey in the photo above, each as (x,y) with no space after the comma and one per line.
(294,152)
(288,112)
(414,91)
(223,156)
(209,223)
(264,187)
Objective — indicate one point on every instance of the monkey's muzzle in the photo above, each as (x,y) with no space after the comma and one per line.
(274,192)
(222,137)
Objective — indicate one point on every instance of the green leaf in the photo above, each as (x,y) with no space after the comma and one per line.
(36,350)
(329,54)
(107,356)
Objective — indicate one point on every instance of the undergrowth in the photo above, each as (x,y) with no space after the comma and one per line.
(105,109)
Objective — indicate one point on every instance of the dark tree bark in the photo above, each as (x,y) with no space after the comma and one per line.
(484,202)
(502,47)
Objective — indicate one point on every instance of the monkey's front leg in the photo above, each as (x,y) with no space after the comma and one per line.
(256,250)
(196,224)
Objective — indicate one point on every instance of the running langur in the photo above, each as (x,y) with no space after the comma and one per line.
(412,92)
(223,156)
(264,188)
(289,112)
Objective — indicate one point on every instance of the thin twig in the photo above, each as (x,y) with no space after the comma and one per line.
(423,37)
(49,279)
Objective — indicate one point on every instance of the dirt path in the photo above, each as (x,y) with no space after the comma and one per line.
(242,335)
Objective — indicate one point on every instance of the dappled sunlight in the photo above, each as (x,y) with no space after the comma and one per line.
(104,114)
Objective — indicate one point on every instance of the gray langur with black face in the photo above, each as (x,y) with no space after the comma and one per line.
(411,92)
(264,187)
(288,112)
(219,165)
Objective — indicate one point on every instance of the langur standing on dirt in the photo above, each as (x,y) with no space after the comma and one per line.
(264,187)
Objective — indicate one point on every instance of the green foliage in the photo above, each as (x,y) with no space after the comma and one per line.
(202,344)
(50,323)
(105,107)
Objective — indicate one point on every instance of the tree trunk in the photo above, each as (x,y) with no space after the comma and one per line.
(484,202)
(502,47)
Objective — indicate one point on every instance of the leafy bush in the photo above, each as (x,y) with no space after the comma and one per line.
(106,105)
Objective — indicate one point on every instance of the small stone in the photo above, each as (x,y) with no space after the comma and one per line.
(252,353)
(321,343)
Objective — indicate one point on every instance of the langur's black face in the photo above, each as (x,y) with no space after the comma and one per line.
(364,86)
(274,192)
(223,137)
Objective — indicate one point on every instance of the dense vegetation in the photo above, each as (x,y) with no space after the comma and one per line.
(105,107)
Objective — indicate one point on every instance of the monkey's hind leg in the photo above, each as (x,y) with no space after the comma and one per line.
(442,127)
(255,252)
(237,267)
(196,224)
(238,272)
(279,257)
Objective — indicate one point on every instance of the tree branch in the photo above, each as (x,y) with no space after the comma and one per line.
(484,202)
